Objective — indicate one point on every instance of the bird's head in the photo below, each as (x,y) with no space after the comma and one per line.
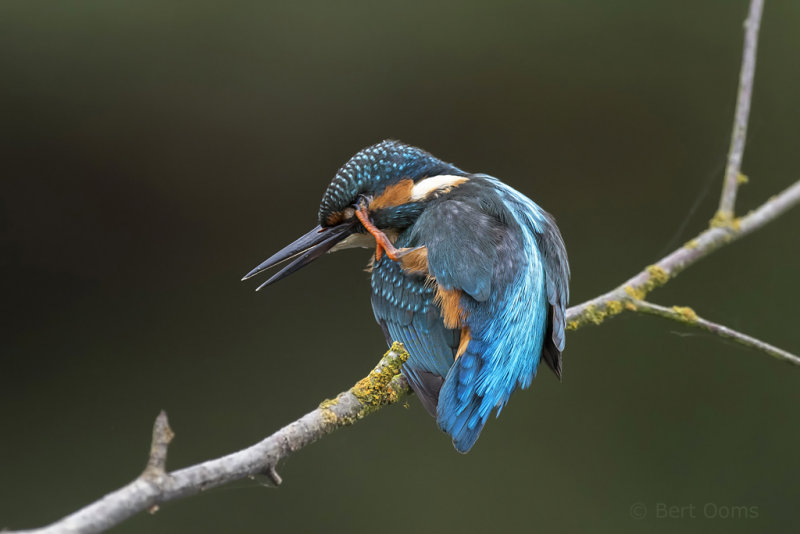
(389,183)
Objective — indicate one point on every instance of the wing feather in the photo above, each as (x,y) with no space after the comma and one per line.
(557,276)
(506,258)
(404,304)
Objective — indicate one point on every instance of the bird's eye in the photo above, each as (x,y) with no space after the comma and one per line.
(362,200)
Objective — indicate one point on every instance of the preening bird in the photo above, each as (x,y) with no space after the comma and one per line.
(468,273)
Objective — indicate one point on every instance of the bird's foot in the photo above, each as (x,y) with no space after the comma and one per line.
(383,243)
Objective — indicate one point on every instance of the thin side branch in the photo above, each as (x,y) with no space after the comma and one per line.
(596,310)
(162,437)
(688,316)
(733,173)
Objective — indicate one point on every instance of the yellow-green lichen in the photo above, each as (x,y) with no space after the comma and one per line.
(658,277)
(630,306)
(614,307)
(692,244)
(687,314)
(328,403)
(742,179)
(329,417)
(721,219)
(594,315)
(634,293)
(374,390)
(598,314)
(573,325)
(724,219)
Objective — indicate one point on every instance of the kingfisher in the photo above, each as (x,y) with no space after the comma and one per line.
(468,273)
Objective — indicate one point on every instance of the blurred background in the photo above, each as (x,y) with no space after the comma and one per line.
(154,152)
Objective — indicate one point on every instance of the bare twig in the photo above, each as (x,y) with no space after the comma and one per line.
(162,436)
(733,174)
(688,316)
(273,475)
(385,385)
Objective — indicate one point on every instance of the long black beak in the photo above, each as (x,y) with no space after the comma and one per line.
(304,250)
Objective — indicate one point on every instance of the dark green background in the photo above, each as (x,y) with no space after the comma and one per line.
(153,152)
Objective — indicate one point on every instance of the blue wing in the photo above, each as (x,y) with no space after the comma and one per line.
(490,248)
(404,306)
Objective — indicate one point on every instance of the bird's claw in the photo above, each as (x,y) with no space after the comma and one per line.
(382,242)
(400,253)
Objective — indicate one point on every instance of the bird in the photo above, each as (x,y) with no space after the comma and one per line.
(468,273)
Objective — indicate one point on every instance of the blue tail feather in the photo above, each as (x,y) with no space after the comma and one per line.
(459,411)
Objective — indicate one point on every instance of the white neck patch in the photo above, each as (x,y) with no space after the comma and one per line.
(424,188)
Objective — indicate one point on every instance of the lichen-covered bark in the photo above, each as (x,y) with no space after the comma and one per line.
(637,288)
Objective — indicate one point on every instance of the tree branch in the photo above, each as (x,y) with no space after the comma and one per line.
(385,385)
(162,436)
(688,316)
(596,310)
(733,174)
